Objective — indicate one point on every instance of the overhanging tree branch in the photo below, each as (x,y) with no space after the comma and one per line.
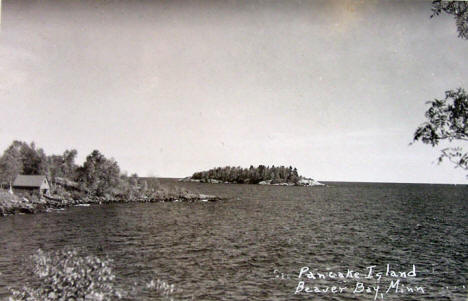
(447,119)
(459,9)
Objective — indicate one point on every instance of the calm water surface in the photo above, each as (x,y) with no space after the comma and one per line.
(237,249)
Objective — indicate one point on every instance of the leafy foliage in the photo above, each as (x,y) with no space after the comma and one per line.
(62,166)
(10,164)
(459,9)
(24,158)
(65,275)
(252,175)
(98,176)
(447,119)
(34,160)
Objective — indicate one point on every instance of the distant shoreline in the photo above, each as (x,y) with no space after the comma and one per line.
(326,182)
(261,174)
(302,182)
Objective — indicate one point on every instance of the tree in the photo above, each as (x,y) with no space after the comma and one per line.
(10,164)
(447,120)
(22,158)
(100,175)
(62,166)
(459,9)
(34,160)
(252,175)
(69,166)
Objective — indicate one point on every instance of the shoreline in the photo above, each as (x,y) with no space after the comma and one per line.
(11,204)
(302,183)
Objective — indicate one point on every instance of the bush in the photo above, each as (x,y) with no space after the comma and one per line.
(65,275)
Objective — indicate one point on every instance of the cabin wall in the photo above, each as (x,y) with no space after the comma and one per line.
(31,190)
(45,186)
(27,191)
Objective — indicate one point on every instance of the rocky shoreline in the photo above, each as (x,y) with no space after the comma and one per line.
(301,182)
(13,204)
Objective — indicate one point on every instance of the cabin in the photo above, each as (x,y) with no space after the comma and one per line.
(32,184)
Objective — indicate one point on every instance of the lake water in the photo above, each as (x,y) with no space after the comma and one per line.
(252,246)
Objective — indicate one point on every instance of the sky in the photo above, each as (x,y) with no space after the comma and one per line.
(167,88)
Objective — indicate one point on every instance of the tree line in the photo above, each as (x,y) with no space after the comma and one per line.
(97,176)
(251,175)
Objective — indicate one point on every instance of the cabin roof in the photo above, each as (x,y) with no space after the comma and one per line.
(29,181)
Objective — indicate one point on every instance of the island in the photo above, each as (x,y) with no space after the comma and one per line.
(262,175)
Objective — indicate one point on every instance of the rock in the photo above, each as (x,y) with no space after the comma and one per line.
(207,197)
(189,179)
(308,182)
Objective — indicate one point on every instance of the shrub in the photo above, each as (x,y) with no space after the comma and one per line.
(65,275)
